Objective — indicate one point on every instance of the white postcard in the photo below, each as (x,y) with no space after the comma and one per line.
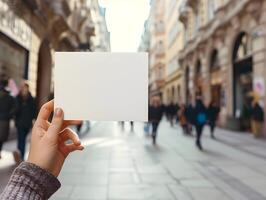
(102,86)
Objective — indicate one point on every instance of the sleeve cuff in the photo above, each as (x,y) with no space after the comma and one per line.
(41,181)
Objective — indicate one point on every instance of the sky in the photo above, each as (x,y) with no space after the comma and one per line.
(125,20)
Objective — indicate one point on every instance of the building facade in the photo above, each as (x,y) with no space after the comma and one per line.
(220,47)
(157,55)
(223,57)
(174,43)
(31,31)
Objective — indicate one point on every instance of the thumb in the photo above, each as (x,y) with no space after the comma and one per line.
(57,123)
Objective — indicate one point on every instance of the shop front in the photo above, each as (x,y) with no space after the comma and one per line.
(242,80)
(15,37)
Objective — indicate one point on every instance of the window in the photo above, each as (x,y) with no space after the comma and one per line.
(159,27)
(160,47)
(243,47)
(173,33)
(214,62)
(173,65)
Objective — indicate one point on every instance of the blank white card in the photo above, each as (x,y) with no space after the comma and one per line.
(102,86)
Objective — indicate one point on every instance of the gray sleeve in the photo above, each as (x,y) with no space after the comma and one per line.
(29,181)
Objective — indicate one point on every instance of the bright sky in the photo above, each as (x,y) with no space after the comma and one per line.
(125,20)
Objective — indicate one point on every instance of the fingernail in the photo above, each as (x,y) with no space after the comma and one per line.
(58,112)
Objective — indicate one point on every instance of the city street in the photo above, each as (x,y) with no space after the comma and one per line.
(120,164)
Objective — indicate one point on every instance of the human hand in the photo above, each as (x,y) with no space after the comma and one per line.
(48,149)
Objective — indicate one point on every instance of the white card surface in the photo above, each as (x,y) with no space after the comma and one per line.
(102,86)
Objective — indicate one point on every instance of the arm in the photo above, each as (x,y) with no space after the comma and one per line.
(29,181)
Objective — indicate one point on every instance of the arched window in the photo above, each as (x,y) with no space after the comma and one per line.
(173,94)
(198,68)
(198,78)
(214,62)
(243,47)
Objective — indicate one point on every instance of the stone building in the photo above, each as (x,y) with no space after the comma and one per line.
(174,43)
(157,55)
(224,54)
(32,30)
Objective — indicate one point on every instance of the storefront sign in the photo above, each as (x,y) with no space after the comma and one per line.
(259,86)
(14,27)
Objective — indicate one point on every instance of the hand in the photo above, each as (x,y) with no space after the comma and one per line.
(48,149)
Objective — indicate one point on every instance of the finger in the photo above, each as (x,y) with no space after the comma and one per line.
(45,111)
(72,147)
(68,134)
(70,123)
(57,122)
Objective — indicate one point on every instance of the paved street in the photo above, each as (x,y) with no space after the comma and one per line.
(124,165)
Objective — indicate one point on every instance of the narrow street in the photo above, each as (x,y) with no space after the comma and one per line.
(124,165)
(120,164)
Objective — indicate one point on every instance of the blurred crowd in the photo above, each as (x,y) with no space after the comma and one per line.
(197,115)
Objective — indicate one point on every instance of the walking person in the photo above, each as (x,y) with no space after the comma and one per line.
(172,113)
(131,126)
(155,116)
(177,108)
(7,109)
(182,119)
(257,118)
(200,112)
(25,113)
(212,114)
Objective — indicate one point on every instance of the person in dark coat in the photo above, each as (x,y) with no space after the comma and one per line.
(172,111)
(200,113)
(213,113)
(7,108)
(155,116)
(25,113)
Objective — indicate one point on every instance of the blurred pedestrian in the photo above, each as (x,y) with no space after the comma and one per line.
(172,110)
(146,128)
(183,119)
(200,112)
(25,114)
(122,124)
(7,109)
(189,114)
(257,118)
(79,126)
(213,113)
(131,126)
(167,111)
(177,108)
(155,116)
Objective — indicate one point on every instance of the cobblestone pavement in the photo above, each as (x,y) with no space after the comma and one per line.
(121,165)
